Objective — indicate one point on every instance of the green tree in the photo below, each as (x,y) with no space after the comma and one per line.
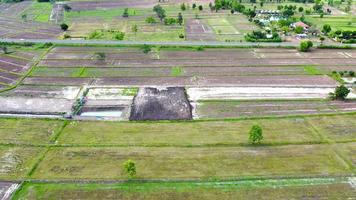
(326,29)
(340,93)
(64,27)
(256,135)
(134,28)
(146,48)
(126,13)
(182,7)
(4,49)
(200,8)
(298,30)
(305,46)
(161,13)
(300,9)
(130,168)
(194,6)
(321,40)
(180,18)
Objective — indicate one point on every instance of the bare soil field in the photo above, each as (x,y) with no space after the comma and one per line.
(40,100)
(211,57)
(13,9)
(305,81)
(109,4)
(14,28)
(197,30)
(13,67)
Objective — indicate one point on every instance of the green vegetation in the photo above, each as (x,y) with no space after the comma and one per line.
(176,71)
(311,70)
(39,11)
(130,168)
(256,135)
(276,189)
(305,46)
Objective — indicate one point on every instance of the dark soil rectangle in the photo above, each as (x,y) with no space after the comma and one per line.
(92,56)
(161,104)
(57,81)
(8,75)
(7,59)
(11,68)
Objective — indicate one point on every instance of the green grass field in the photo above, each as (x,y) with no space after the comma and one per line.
(100,163)
(344,23)
(276,189)
(39,12)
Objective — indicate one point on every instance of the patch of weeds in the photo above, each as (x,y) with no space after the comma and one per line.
(311,70)
(129,91)
(337,77)
(176,71)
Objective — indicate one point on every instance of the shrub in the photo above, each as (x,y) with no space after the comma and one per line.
(126,13)
(130,168)
(150,20)
(340,93)
(255,134)
(64,27)
(305,46)
(146,49)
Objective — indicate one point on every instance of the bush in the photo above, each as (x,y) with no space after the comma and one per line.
(130,168)
(305,46)
(340,93)
(150,20)
(170,21)
(126,13)
(255,134)
(64,27)
(181,36)
(258,36)
(146,49)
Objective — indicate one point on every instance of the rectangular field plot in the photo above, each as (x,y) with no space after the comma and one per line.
(237,109)
(345,23)
(28,131)
(190,163)
(186,134)
(336,128)
(265,189)
(16,162)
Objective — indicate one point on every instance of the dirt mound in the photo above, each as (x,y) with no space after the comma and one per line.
(161,104)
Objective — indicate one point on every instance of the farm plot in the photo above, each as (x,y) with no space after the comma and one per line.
(275,189)
(6,189)
(248,93)
(213,133)
(190,163)
(213,57)
(14,28)
(13,67)
(28,131)
(40,100)
(16,162)
(13,9)
(345,23)
(239,109)
(109,4)
(198,30)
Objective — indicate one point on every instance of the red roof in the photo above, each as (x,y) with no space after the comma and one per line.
(302,24)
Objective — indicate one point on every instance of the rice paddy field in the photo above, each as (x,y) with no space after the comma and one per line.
(66,111)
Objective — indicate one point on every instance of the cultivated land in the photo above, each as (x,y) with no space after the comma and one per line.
(65,110)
